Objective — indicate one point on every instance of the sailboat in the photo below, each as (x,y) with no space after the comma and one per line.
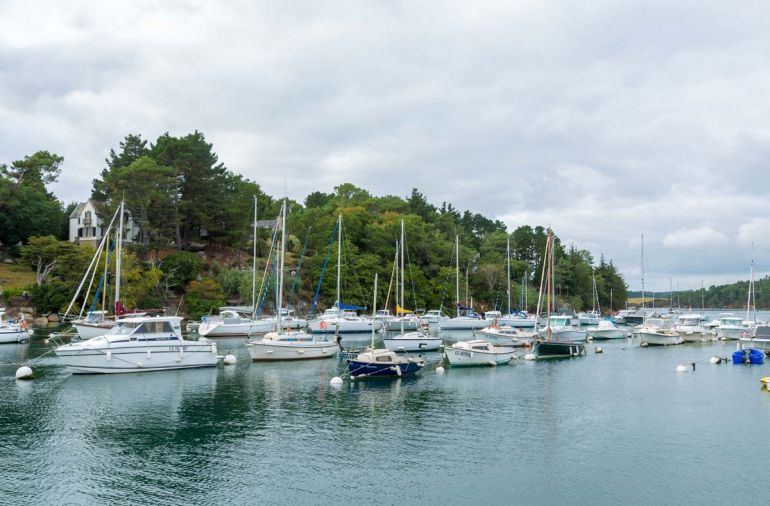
(516,319)
(592,317)
(465,319)
(409,341)
(553,344)
(230,321)
(289,344)
(381,363)
(341,317)
(95,322)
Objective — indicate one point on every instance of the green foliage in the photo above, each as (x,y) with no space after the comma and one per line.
(203,297)
(181,267)
(26,207)
(50,297)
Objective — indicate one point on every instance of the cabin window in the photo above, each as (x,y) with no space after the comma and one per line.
(479,348)
(383,359)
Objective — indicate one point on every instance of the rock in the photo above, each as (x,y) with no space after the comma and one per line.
(54,318)
(7,261)
(27,310)
(41,322)
(27,317)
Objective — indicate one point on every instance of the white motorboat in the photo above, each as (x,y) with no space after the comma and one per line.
(478,352)
(689,327)
(730,327)
(758,337)
(659,332)
(291,345)
(589,318)
(13,332)
(520,320)
(505,335)
(434,316)
(561,329)
(606,330)
(463,323)
(413,341)
(138,344)
(230,323)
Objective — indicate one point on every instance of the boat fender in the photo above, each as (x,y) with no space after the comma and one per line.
(398,370)
(439,370)
(214,348)
(590,338)
(45,341)
(179,357)
(109,355)
(644,345)
(23,324)
(149,353)
(323,325)
(493,363)
(24,373)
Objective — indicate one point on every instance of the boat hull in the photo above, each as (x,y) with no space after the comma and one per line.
(463,324)
(358,369)
(518,323)
(558,349)
(602,334)
(421,343)
(696,336)
(264,351)
(758,343)
(219,329)
(660,339)
(395,325)
(568,334)
(458,357)
(91,330)
(13,336)
(137,358)
(345,326)
(730,332)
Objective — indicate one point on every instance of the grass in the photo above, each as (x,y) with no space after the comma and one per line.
(15,276)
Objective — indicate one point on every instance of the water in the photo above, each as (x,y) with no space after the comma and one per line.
(611,428)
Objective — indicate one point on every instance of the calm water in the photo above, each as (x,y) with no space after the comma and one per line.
(611,428)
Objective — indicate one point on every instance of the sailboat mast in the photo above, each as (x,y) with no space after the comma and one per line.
(508,270)
(374,308)
(549,285)
(751,286)
(106,270)
(118,258)
(402,275)
(642,271)
(281,265)
(339,257)
(457,274)
(254,265)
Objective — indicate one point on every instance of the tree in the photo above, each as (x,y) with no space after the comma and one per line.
(47,254)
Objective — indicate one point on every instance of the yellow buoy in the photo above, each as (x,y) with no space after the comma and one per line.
(765,381)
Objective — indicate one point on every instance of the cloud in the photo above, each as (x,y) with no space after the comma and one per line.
(554,113)
(700,237)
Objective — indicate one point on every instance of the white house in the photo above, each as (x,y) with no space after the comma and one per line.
(87,227)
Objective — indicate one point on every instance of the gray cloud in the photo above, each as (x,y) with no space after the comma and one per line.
(605,120)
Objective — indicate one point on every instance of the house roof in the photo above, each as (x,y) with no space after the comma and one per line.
(78,209)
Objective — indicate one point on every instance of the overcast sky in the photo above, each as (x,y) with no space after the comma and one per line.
(604,119)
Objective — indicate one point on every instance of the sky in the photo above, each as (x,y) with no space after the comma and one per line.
(605,120)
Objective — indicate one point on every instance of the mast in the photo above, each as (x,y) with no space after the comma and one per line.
(106,270)
(254,266)
(642,271)
(751,285)
(402,275)
(118,259)
(670,293)
(374,307)
(702,296)
(339,257)
(457,275)
(281,266)
(508,265)
(549,284)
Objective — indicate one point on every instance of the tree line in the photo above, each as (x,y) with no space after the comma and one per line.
(184,199)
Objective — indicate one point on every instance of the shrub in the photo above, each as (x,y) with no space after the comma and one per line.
(203,297)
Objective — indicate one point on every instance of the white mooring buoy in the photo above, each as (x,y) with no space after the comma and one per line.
(439,370)
(229,359)
(681,368)
(715,360)
(336,381)
(530,356)
(24,372)
(598,349)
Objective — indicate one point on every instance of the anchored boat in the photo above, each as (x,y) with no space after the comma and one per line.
(478,352)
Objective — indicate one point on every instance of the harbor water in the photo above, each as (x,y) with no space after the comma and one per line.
(620,427)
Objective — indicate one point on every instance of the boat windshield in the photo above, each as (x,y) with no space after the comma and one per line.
(689,322)
(123,329)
